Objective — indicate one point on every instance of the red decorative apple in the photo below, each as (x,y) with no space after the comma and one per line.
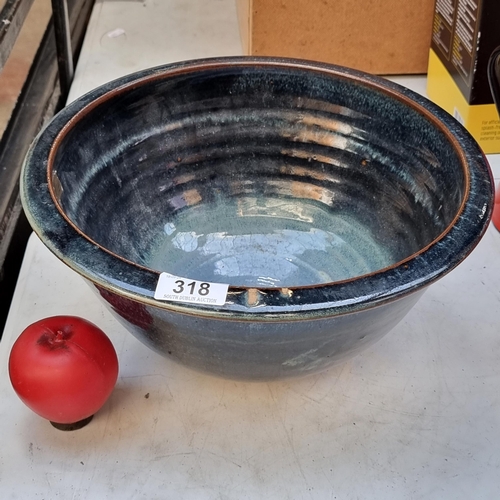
(64,368)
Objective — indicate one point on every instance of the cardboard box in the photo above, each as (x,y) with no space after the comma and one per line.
(384,37)
(465,33)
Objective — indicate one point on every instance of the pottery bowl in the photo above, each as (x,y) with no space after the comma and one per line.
(326,199)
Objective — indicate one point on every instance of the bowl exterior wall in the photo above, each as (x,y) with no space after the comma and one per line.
(257,350)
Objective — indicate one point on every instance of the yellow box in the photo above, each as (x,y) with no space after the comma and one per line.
(457,72)
(481,120)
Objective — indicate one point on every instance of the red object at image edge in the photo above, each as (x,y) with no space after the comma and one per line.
(496,209)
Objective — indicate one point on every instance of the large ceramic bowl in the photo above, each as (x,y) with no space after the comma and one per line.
(326,199)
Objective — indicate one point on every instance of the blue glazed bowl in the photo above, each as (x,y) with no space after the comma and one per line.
(327,200)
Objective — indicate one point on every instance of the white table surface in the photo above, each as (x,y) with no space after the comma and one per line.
(416,416)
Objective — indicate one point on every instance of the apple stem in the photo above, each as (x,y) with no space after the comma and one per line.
(54,339)
(59,336)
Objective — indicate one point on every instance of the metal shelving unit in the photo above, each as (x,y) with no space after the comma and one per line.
(43,94)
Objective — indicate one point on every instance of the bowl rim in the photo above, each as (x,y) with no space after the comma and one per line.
(38,186)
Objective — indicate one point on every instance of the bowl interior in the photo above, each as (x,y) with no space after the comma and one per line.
(266,176)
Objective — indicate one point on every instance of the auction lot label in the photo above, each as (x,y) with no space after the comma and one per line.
(178,289)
